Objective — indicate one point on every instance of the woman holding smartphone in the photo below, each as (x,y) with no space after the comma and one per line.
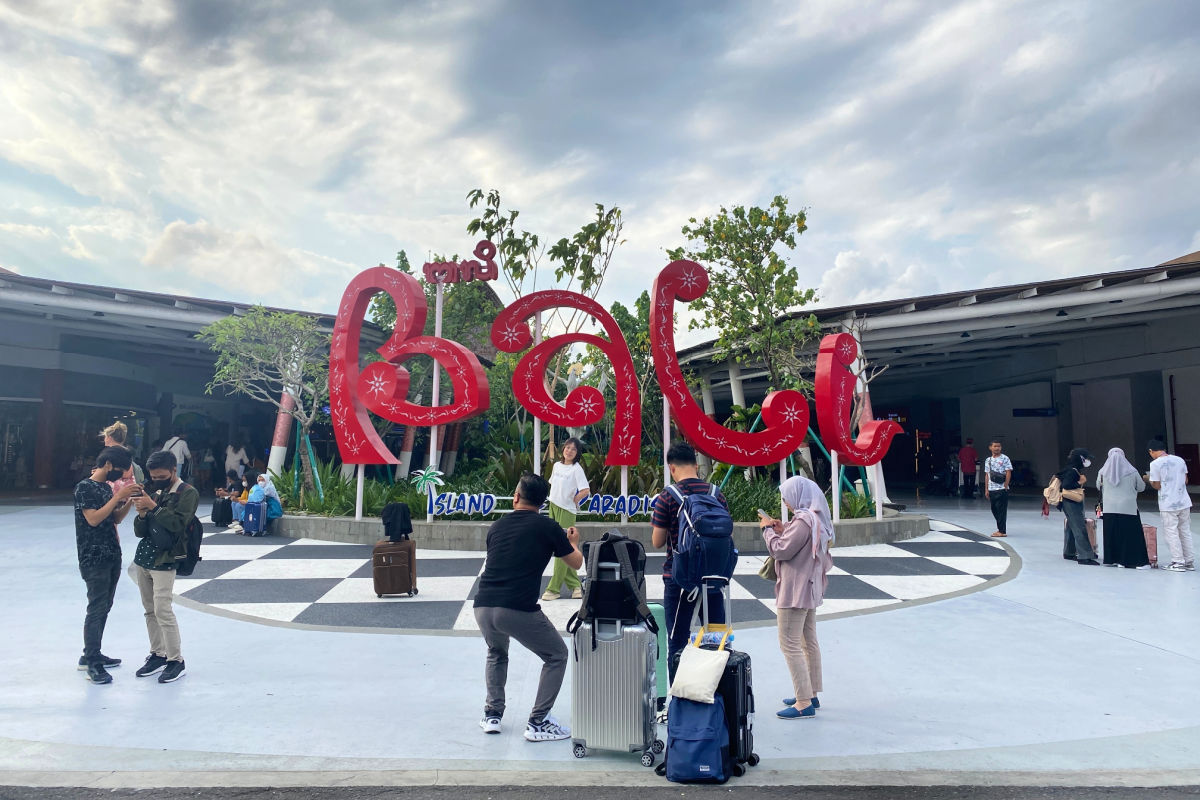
(802,563)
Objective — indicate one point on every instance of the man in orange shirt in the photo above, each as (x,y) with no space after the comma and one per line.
(967,456)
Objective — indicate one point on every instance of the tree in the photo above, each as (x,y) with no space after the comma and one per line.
(265,354)
(753,293)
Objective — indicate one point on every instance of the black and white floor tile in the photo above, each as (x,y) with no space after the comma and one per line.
(327,584)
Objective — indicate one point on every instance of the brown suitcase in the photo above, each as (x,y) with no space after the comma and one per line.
(1151,534)
(395,568)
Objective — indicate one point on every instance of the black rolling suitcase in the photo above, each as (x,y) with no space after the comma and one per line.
(737,684)
(222,512)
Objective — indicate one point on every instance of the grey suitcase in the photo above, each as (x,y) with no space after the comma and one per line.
(613,697)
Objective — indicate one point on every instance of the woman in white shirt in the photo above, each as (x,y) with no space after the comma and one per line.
(568,488)
(236,459)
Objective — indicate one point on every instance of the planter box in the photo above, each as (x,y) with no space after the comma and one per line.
(459,535)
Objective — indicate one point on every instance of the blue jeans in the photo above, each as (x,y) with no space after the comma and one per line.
(239,510)
(678,611)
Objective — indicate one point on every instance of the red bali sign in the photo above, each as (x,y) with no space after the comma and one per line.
(835,391)
(381,388)
(785,413)
(585,404)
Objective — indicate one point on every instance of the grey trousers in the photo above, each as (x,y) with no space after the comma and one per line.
(533,630)
(1075,538)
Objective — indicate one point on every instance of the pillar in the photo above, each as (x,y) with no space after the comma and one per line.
(277,460)
(406,453)
(710,411)
(47,427)
(735,385)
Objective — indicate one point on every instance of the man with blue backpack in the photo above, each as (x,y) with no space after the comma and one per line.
(691,520)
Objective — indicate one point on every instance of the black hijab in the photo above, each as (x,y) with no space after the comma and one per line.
(1074,463)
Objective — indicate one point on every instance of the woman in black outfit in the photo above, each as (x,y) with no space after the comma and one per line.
(1075,539)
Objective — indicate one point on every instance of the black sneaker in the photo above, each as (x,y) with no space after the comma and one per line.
(173,672)
(107,661)
(153,664)
(96,673)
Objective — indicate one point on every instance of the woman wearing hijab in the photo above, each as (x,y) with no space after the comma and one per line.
(1119,485)
(1076,546)
(802,561)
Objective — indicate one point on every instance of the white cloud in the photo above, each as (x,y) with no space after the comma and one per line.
(28,231)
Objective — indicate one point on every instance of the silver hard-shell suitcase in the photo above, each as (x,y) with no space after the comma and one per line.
(613,699)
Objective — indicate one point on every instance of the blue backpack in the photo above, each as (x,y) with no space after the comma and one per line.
(697,742)
(704,544)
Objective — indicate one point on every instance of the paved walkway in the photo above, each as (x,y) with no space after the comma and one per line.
(326,585)
(1066,674)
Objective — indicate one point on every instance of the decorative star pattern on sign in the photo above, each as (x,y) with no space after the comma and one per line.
(382,387)
(583,405)
(784,432)
(835,386)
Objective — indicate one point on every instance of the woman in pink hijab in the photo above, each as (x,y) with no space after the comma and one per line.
(802,561)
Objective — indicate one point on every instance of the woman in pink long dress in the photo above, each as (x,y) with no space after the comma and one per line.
(802,562)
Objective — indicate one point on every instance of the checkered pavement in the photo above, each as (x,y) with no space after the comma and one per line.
(327,584)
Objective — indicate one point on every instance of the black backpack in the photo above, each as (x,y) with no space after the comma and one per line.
(195,535)
(607,597)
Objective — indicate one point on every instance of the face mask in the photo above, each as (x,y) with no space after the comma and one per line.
(157,485)
(245,483)
(1087,462)
(114,475)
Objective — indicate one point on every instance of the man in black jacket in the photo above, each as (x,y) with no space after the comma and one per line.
(169,506)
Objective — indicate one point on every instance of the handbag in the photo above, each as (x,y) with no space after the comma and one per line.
(996,477)
(1074,495)
(767,570)
(699,671)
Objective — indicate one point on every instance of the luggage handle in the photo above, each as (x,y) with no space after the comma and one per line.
(723,585)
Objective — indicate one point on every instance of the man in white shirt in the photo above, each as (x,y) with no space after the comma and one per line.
(177,446)
(1168,474)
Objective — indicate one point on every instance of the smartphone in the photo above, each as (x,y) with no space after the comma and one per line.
(763,514)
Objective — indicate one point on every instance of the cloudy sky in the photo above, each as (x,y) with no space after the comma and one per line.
(268,151)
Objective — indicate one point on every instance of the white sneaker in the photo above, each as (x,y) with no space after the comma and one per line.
(1190,566)
(548,595)
(490,724)
(1145,566)
(547,731)
(1176,567)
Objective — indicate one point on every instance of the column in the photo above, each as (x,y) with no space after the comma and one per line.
(49,415)
(277,460)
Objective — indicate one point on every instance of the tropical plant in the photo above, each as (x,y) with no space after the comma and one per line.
(753,294)
(277,358)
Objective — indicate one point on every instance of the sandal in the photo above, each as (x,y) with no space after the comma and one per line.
(999,535)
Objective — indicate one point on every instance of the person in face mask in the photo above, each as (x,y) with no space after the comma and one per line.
(169,505)
(1076,545)
(98,511)
(239,495)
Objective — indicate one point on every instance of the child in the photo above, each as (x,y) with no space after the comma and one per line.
(568,488)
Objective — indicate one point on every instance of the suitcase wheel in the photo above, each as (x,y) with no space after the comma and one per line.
(738,770)
(647,759)
(658,747)
(379,595)
(579,751)
(753,760)
(413,593)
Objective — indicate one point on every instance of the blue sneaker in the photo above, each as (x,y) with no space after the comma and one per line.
(791,713)
(791,701)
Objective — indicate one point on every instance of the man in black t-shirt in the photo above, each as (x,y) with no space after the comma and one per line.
(97,513)
(519,546)
(677,608)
